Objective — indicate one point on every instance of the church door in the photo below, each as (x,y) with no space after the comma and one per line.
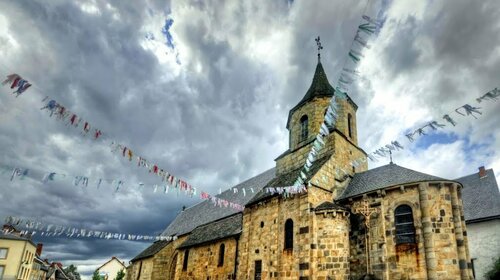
(258,270)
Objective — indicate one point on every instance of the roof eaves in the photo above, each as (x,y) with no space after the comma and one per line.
(185,246)
(342,198)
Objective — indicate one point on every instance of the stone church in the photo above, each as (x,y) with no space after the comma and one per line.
(389,222)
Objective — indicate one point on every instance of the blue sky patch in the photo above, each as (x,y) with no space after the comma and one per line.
(425,141)
(166,31)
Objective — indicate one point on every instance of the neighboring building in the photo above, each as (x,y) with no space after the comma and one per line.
(110,269)
(56,272)
(416,229)
(39,270)
(482,215)
(16,254)
(40,267)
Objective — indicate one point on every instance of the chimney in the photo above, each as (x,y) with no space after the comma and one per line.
(39,248)
(482,172)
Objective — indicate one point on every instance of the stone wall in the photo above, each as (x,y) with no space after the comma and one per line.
(346,107)
(333,174)
(140,270)
(263,239)
(297,158)
(330,245)
(315,112)
(440,249)
(337,142)
(343,150)
(165,261)
(203,261)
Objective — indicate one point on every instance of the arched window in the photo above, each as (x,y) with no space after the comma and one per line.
(289,234)
(304,130)
(185,262)
(222,248)
(403,219)
(349,125)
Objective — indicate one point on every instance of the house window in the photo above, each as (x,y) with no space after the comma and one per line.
(185,262)
(222,248)
(349,125)
(289,234)
(405,230)
(304,130)
(3,253)
(2,268)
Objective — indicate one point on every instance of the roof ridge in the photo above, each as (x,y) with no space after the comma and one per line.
(476,173)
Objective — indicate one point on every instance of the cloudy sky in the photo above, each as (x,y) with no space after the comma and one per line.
(203,88)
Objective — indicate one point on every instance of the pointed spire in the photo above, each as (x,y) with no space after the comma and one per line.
(320,85)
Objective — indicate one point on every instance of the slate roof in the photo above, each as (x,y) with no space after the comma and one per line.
(328,205)
(480,197)
(320,86)
(9,236)
(287,179)
(383,177)
(205,212)
(151,250)
(224,228)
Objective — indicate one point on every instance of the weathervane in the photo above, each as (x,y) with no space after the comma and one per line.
(318,43)
(390,155)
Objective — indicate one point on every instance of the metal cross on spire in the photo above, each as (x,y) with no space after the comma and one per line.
(318,43)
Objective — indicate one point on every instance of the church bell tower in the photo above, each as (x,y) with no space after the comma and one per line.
(305,119)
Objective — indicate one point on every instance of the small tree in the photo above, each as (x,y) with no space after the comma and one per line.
(494,272)
(96,275)
(120,275)
(72,270)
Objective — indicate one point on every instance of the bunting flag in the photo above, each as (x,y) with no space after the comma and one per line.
(464,110)
(16,82)
(33,227)
(19,173)
(216,201)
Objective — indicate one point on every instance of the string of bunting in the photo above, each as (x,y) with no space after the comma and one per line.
(32,227)
(465,110)
(370,26)
(62,113)
(386,150)
(19,173)
(18,83)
